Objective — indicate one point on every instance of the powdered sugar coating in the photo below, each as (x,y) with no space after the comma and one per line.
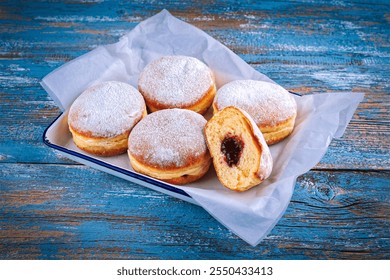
(267,103)
(175,81)
(168,138)
(107,109)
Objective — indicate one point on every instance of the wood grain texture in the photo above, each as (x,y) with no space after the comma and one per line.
(332,215)
(53,208)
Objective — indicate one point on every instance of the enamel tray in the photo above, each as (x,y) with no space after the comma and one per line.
(58,137)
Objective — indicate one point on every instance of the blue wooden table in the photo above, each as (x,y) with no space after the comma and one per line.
(53,208)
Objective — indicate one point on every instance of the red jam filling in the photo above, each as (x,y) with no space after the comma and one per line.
(232,147)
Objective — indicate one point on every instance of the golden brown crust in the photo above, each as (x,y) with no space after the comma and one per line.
(274,133)
(101,146)
(279,132)
(200,106)
(180,176)
(190,161)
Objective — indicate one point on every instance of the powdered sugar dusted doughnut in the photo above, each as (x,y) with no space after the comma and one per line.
(177,82)
(170,145)
(101,118)
(272,107)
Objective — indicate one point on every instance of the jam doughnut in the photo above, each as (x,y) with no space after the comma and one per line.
(101,118)
(177,82)
(272,107)
(240,154)
(170,145)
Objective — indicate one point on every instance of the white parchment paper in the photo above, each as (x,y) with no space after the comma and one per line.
(252,214)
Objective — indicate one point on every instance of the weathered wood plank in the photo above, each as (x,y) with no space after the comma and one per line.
(295,28)
(333,215)
(305,46)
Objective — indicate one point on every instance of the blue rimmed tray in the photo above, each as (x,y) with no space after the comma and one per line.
(58,137)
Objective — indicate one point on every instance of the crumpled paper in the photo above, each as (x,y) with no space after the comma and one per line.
(251,214)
